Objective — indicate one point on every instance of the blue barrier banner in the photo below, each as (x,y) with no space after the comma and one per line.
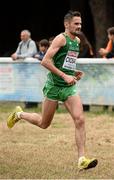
(97,86)
(23,80)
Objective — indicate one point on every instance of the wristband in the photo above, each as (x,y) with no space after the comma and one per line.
(62,75)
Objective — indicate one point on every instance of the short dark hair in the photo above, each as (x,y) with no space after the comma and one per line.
(71,14)
(44,42)
(110,30)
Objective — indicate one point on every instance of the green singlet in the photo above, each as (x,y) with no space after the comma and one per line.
(65,60)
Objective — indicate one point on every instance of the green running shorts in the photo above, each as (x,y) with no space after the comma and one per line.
(59,93)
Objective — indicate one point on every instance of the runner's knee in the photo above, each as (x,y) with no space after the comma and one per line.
(79,120)
(44,126)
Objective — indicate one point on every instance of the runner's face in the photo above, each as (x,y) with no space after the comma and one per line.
(75,25)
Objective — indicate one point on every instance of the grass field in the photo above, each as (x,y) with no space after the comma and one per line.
(28,152)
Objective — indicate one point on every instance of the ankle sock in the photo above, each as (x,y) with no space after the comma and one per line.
(81,159)
(19,115)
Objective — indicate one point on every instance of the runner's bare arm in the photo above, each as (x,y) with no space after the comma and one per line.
(57,43)
(47,62)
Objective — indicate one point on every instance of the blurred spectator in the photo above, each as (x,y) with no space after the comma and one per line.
(86,51)
(42,48)
(26,48)
(108,52)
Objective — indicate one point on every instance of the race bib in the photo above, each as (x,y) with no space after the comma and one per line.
(70,60)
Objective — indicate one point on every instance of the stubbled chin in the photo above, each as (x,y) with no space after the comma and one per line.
(74,33)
